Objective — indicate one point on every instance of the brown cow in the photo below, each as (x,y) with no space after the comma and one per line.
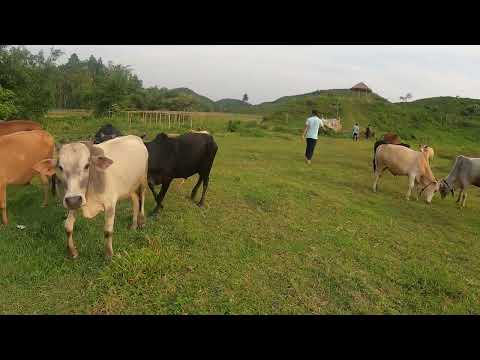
(10,127)
(19,153)
(391,138)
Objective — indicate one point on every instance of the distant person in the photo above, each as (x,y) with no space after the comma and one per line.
(368,132)
(310,134)
(356,132)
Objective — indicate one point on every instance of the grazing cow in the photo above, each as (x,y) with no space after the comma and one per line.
(428,151)
(105,133)
(400,160)
(19,152)
(391,138)
(180,157)
(465,172)
(95,177)
(13,126)
(382,142)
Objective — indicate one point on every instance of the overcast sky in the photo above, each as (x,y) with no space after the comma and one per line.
(267,72)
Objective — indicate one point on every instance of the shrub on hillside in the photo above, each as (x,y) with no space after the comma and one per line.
(7,104)
(233,126)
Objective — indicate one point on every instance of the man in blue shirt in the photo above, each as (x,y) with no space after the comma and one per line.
(310,134)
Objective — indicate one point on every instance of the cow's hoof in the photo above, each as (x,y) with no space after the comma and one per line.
(201,205)
(153,214)
(133,227)
(73,254)
(108,258)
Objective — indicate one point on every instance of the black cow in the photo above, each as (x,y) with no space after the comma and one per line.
(106,132)
(382,142)
(179,157)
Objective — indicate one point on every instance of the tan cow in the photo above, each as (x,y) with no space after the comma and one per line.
(19,152)
(10,127)
(95,177)
(428,151)
(402,161)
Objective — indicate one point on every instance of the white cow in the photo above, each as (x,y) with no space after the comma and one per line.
(95,177)
(465,172)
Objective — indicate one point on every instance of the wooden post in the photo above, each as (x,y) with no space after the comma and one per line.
(169,121)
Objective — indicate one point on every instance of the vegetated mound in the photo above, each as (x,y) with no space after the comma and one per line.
(233,106)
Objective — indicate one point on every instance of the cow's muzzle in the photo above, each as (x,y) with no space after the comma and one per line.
(73,202)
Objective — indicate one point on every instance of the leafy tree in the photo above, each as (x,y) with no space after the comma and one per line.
(245,98)
(7,104)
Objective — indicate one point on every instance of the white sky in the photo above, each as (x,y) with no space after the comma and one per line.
(267,72)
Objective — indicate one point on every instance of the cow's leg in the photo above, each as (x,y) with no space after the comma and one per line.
(411,185)
(163,192)
(161,195)
(459,195)
(378,174)
(195,188)
(45,184)
(3,203)
(108,229)
(69,223)
(141,195)
(417,190)
(205,187)
(464,198)
(151,185)
(135,209)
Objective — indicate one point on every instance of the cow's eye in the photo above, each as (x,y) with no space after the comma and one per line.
(60,167)
(87,166)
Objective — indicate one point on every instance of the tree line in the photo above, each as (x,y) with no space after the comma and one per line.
(31,84)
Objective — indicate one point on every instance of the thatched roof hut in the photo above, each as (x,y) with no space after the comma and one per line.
(361,87)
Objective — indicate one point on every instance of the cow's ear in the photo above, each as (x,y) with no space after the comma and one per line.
(88,144)
(46,167)
(101,162)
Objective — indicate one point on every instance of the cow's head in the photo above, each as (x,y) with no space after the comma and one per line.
(445,188)
(430,190)
(105,133)
(76,166)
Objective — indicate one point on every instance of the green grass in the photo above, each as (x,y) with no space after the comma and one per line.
(276,237)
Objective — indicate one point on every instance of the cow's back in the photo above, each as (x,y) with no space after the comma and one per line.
(400,160)
(20,151)
(130,164)
(10,127)
(193,152)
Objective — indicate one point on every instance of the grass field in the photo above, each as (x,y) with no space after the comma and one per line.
(276,237)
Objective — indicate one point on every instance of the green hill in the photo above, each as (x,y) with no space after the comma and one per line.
(233,106)
(200,102)
(421,119)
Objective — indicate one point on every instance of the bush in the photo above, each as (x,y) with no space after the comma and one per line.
(7,104)
(233,126)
